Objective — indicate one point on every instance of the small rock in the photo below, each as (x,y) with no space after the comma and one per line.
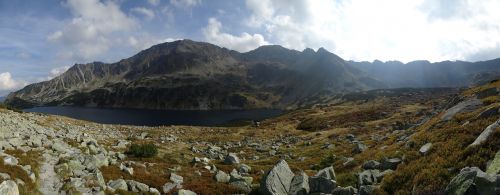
(185,192)
(231,158)
(176,178)
(425,148)
(221,177)
(391,163)
(118,184)
(371,164)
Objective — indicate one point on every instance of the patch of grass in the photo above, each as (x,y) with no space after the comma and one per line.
(142,150)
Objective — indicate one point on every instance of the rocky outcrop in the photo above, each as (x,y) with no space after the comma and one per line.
(471,180)
(486,133)
(463,106)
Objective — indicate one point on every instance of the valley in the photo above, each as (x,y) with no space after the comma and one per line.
(399,141)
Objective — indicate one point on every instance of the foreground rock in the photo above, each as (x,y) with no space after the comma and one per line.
(471,180)
(9,188)
(277,180)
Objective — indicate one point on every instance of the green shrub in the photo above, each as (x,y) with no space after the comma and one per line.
(142,150)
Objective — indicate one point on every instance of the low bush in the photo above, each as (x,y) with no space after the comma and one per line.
(142,150)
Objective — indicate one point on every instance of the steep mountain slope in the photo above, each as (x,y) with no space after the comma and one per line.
(194,75)
(425,74)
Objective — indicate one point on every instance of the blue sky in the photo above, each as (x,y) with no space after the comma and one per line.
(41,39)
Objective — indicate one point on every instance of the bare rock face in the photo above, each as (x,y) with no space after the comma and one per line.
(277,181)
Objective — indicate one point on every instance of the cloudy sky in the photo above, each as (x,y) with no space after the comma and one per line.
(41,39)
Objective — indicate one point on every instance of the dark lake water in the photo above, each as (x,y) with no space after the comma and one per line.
(158,117)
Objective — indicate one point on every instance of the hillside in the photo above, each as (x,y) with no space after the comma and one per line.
(194,75)
(403,141)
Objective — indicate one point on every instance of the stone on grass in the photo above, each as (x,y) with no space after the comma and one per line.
(277,180)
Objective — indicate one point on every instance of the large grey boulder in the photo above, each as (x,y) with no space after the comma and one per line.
(221,177)
(176,178)
(494,166)
(486,133)
(368,177)
(136,186)
(277,180)
(425,148)
(327,172)
(118,184)
(9,188)
(300,184)
(466,105)
(231,159)
(471,180)
(321,185)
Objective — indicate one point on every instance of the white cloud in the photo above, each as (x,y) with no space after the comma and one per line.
(185,4)
(149,14)
(154,2)
(57,71)
(385,29)
(89,33)
(8,83)
(244,42)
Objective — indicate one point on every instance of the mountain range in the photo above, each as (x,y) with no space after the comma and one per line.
(187,75)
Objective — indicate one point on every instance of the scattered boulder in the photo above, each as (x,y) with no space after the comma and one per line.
(300,184)
(168,187)
(221,177)
(327,172)
(277,180)
(371,164)
(466,105)
(359,147)
(10,160)
(321,185)
(231,159)
(118,184)
(390,163)
(135,186)
(425,148)
(176,178)
(486,133)
(471,180)
(9,187)
(366,189)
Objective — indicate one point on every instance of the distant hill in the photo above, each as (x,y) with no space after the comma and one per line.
(194,75)
(423,74)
